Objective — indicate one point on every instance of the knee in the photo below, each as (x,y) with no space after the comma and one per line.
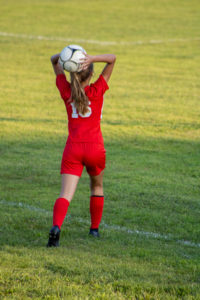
(96,185)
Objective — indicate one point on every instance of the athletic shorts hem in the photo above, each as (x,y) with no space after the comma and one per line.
(71,173)
(95,173)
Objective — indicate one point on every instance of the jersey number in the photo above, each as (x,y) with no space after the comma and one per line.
(75,114)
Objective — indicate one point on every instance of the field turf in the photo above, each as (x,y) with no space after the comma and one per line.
(150,233)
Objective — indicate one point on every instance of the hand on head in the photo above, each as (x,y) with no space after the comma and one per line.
(86,61)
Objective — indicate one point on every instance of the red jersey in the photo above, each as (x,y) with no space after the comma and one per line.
(84,128)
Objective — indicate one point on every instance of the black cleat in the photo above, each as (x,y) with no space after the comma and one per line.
(94,232)
(54,236)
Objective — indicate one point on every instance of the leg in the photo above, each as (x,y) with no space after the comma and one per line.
(69,184)
(96,184)
(68,188)
(96,202)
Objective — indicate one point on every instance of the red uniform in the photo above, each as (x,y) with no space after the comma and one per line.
(84,145)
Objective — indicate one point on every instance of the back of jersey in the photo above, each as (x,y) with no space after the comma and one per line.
(84,128)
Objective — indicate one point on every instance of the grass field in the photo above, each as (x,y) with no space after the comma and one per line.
(150,233)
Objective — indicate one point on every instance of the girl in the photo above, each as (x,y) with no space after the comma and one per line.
(84,146)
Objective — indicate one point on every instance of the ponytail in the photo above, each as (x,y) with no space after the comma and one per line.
(78,95)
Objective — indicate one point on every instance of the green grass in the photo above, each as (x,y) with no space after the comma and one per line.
(151,128)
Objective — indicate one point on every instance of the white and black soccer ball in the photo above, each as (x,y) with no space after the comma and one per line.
(70,58)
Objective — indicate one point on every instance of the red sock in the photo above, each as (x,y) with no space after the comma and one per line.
(59,211)
(96,210)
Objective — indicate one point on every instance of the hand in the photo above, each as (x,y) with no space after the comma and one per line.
(86,61)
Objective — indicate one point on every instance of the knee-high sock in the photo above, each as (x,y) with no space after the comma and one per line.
(96,210)
(59,211)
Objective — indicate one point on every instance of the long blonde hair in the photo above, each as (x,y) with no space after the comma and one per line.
(78,95)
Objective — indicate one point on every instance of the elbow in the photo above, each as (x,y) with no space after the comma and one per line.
(114,58)
(51,59)
(54,59)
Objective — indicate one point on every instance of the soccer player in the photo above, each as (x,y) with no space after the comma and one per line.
(84,146)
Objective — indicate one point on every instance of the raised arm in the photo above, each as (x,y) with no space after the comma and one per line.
(56,66)
(106,58)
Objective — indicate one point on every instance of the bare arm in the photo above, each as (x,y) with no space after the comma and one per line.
(56,66)
(106,58)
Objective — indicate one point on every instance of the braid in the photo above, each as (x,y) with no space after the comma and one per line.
(79,97)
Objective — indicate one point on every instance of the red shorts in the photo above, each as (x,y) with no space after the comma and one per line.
(78,155)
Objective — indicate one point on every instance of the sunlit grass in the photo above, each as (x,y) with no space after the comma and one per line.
(151,128)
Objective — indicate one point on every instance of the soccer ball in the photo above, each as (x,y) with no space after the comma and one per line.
(70,58)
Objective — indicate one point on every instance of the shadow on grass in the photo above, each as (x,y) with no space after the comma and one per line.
(157,180)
